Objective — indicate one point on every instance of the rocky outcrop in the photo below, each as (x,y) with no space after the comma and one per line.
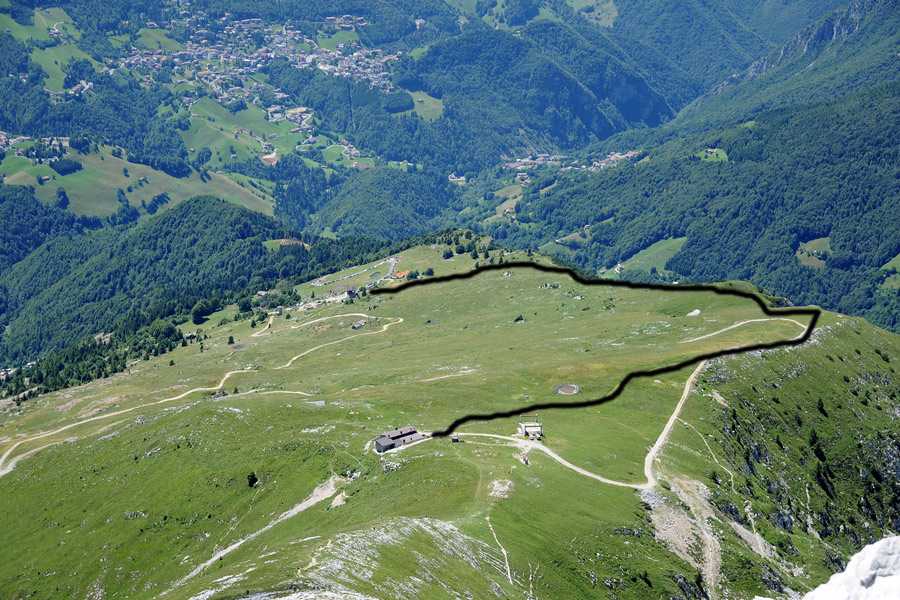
(872,574)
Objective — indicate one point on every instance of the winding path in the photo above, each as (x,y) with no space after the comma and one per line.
(392,263)
(527,445)
(6,468)
(302,354)
(709,335)
(654,451)
(264,329)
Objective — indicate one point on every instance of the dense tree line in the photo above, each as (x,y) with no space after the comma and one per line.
(299,190)
(27,224)
(121,279)
(387,203)
(90,359)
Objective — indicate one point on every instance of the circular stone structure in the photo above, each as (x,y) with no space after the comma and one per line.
(567,389)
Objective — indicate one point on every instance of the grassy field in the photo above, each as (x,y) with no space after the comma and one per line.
(54,58)
(330,42)
(655,256)
(44,20)
(156,39)
(52,61)
(427,107)
(894,263)
(465,6)
(251,119)
(417,52)
(556,249)
(92,191)
(156,490)
(717,155)
(602,12)
(242,133)
(511,195)
(809,253)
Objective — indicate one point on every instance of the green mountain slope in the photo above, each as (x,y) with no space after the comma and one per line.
(802,451)
(849,49)
(715,39)
(247,468)
(792,176)
(27,224)
(386,203)
(82,285)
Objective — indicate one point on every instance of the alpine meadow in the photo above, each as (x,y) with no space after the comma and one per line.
(541,299)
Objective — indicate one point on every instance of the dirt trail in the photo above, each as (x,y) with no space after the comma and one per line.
(322,492)
(264,329)
(654,450)
(6,468)
(302,354)
(709,335)
(527,445)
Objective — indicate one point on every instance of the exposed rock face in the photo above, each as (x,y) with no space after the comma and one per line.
(872,574)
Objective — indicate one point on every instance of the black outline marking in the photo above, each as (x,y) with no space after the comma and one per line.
(815,313)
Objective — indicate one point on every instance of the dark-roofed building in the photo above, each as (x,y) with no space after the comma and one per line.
(396,438)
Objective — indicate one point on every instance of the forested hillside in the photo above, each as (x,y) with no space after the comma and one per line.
(826,170)
(82,284)
(851,48)
(27,224)
(387,204)
(715,39)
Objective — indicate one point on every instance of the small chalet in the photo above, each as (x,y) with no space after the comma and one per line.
(396,438)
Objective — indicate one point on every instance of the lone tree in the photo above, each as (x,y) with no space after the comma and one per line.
(230,339)
(252,479)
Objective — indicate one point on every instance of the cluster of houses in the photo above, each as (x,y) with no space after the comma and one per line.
(223,52)
(8,140)
(531,163)
(610,160)
(58,144)
(522,165)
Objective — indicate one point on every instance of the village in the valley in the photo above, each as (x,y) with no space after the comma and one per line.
(222,52)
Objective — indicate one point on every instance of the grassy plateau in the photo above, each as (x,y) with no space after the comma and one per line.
(137,485)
